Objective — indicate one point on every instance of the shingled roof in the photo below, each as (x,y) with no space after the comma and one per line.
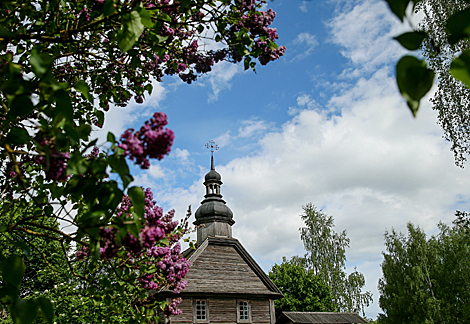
(320,318)
(221,266)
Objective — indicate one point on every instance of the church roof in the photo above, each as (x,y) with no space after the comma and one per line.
(222,267)
(320,318)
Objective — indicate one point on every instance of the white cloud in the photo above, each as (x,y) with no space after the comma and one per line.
(251,127)
(220,77)
(365,32)
(156,171)
(303,6)
(118,119)
(224,139)
(308,43)
(182,155)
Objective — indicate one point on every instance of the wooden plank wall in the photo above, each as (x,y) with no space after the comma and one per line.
(187,316)
(224,311)
(260,311)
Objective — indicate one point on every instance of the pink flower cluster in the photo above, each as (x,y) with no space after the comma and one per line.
(171,266)
(172,308)
(55,166)
(151,141)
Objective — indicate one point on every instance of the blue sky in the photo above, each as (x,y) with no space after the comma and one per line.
(324,124)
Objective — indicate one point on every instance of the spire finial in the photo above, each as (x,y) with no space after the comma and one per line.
(212,147)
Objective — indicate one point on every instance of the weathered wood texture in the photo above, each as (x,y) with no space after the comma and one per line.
(220,269)
(224,311)
(186,316)
(260,311)
(320,318)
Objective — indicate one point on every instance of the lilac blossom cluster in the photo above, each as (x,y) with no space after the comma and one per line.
(55,166)
(151,141)
(171,266)
(183,55)
(257,24)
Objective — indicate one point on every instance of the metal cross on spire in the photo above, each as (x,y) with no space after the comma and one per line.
(212,147)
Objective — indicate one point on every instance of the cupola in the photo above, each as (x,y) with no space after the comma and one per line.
(213,218)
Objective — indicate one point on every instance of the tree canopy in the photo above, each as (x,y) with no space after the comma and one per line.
(63,65)
(426,280)
(303,290)
(326,257)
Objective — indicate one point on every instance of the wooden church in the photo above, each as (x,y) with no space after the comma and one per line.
(225,284)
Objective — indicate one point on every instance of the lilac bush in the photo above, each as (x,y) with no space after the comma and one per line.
(63,65)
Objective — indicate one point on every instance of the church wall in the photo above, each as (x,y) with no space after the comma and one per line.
(260,311)
(224,311)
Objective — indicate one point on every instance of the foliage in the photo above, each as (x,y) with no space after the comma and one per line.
(326,256)
(443,35)
(426,280)
(303,290)
(451,99)
(62,64)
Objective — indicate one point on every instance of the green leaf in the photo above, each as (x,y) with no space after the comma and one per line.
(13,270)
(40,63)
(135,62)
(25,248)
(460,68)
(108,8)
(24,311)
(411,40)
(126,179)
(18,136)
(247,62)
(64,105)
(21,106)
(414,80)
(82,86)
(70,131)
(83,131)
(398,7)
(145,18)
(46,308)
(111,138)
(118,164)
(132,28)
(458,26)
(185,4)
(138,200)
(5,32)
(100,115)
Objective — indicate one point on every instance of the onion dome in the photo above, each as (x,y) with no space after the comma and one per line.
(213,213)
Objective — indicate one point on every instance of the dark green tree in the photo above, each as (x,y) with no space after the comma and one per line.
(326,257)
(303,290)
(426,280)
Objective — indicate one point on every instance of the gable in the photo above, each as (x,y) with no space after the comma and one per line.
(223,266)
